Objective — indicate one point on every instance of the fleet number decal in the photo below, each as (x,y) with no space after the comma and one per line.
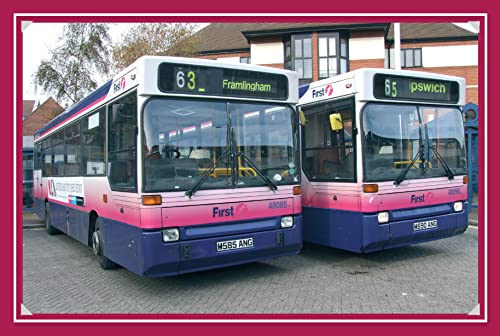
(278,205)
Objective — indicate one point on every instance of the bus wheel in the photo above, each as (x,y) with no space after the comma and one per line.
(50,229)
(97,243)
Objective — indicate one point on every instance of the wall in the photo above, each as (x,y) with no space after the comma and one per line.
(225,55)
(358,64)
(363,47)
(367,50)
(450,58)
(470,73)
(267,53)
(42,115)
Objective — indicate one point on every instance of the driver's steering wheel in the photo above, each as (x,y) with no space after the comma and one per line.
(176,151)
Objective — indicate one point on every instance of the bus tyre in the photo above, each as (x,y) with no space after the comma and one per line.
(97,243)
(50,229)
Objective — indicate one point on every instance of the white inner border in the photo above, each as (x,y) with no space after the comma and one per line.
(483,30)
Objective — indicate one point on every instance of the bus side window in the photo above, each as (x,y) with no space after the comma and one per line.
(122,130)
(46,159)
(93,143)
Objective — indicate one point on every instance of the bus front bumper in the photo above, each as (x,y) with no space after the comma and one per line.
(412,231)
(186,256)
(361,232)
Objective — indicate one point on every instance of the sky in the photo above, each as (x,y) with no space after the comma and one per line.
(38,38)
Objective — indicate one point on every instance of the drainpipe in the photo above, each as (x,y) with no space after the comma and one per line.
(397,47)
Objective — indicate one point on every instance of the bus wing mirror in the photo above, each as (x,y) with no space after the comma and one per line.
(302,117)
(119,113)
(116,114)
(336,121)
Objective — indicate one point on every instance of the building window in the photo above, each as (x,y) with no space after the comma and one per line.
(327,55)
(332,55)
(411,58)
(301,57)
(344,55)
(288,55)
(245,60)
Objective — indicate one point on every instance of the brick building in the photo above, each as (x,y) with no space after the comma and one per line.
(319,50)
(41,115)
(28,106)
(34,117)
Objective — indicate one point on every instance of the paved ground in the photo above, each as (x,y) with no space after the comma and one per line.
(62,276)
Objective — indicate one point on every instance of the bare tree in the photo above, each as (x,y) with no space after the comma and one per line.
(155,39)
(76,65)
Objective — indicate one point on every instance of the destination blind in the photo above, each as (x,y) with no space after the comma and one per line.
(202,80)
(416,89)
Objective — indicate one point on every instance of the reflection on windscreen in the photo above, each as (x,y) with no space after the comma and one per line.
(183,138)
(392,137)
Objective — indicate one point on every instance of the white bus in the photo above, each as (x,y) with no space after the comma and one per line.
(176,165)
(383,159)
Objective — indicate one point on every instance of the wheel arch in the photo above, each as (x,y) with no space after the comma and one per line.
(92,221)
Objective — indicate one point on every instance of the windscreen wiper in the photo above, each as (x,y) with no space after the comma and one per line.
(250,163)
(229,152)
(443,162)
(234,162)
(402,176)
(420,153)
(439,157)
(259,172)
(207,173)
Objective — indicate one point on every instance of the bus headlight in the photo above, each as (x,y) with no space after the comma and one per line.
(286,222)
(458,206)
(383,217)
(170,235)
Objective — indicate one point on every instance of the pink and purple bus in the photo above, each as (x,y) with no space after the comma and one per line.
(383,158)
(176,165)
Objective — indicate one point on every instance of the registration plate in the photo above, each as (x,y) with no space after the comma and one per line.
(430,224)
(235,244)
